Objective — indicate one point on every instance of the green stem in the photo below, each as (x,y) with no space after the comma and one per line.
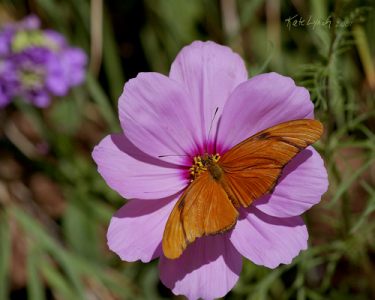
(345,205)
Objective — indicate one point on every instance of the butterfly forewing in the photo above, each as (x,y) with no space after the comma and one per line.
(203,209)
(253,167)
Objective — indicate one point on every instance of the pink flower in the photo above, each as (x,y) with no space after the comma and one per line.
(171,115)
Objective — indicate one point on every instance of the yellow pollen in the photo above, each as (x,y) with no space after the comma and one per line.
(199,167)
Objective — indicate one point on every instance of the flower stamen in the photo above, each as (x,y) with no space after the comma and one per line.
(200,164)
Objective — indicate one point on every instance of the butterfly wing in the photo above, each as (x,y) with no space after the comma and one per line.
(203,209)
(253,167)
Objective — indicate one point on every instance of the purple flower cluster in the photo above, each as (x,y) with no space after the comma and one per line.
(36,64)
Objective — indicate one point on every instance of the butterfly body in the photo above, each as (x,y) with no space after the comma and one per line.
(220,185)
(216,171)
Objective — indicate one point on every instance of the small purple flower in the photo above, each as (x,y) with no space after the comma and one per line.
(43,63)
(56,38)
(65,70)
(31,22)
(8,82)
(172,115)
(5,41)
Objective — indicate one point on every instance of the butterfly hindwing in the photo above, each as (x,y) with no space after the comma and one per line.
(203,209)
(253,167)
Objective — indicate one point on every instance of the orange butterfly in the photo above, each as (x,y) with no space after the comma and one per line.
(244,173)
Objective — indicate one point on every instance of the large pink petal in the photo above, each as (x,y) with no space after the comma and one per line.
(136,230)
(208,268)
(209,72)
(134,174)
(267,240)
(259,103)
(158,117)
(302,184)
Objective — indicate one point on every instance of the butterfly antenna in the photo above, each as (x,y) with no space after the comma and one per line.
(209,132)
(175,155)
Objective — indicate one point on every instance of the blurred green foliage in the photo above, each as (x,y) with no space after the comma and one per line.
(55,207)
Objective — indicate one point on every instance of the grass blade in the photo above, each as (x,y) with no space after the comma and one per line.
(5,254)
(101,99)
(35,287)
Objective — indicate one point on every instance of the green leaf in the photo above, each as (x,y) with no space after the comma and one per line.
(48,244)
(267,61)
(113,280)
(57,281)
(66,115)
(80,229)
(112,61)
(370,207)
(5,254)
(345,184)
(35,287)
